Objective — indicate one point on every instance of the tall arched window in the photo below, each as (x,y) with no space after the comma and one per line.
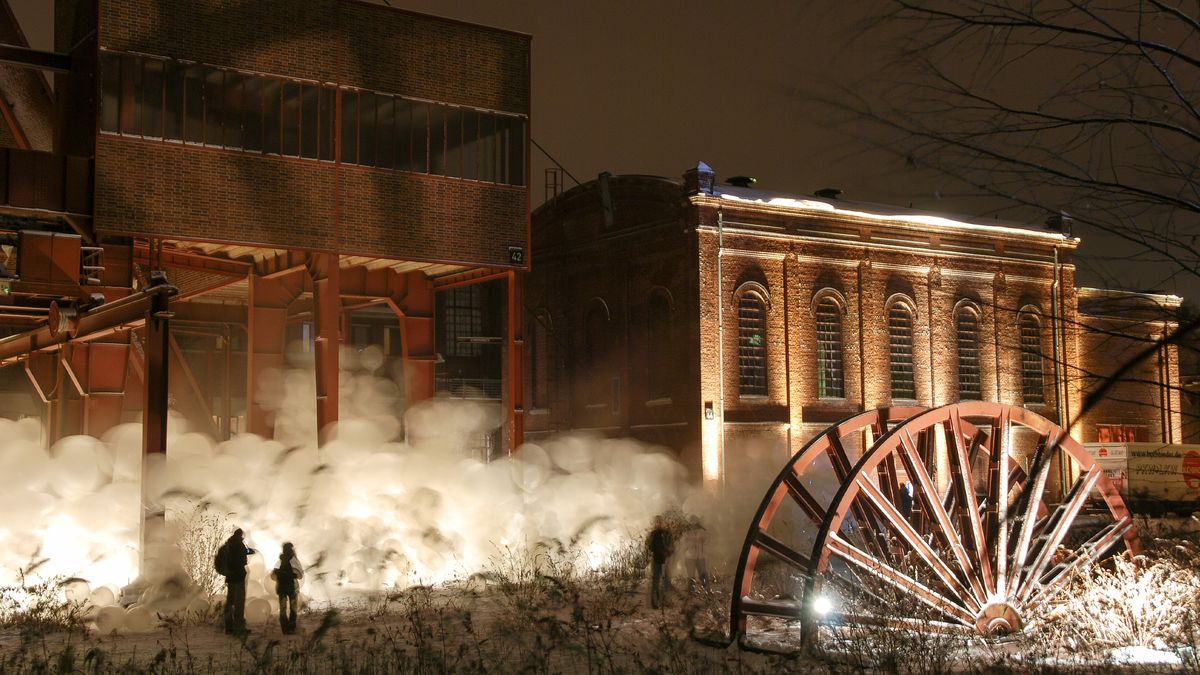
(538,336)
(595,354)
(1033,385)
(966,322)
(658,340)
(830,376)
(900,349)
(752,344)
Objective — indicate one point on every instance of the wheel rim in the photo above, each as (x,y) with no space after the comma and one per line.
(832,452)
(979,564)
(935,565)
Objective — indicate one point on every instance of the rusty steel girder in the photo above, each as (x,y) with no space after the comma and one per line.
(963,517)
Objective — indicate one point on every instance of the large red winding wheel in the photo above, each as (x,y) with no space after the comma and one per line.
(895,516)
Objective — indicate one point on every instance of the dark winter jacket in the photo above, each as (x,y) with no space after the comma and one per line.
(233,557)
(660,545)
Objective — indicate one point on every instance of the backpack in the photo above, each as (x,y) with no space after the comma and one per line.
(219,562)
(285,578)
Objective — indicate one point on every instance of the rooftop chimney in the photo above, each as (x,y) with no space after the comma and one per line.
(699,179)
(1061,222)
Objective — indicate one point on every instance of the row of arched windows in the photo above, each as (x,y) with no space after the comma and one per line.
(828,310)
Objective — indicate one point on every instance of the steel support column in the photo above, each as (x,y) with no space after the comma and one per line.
(158,346)
(514,361)
(328,309)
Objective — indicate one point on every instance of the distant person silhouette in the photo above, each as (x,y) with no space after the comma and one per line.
(287,575)
(231,563)
(660,547)
(693,542)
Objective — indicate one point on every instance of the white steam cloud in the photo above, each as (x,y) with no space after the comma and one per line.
(367,511)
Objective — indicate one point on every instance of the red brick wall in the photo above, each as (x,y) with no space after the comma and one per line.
(336,41)
(152,188)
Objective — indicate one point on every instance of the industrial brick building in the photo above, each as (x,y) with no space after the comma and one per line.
(227,179)
(732,324)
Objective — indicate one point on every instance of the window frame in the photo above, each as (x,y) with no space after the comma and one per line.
(900,300)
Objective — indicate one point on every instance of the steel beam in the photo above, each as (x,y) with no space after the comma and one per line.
(157,350)
(34,58)
(514,366)
(328,307)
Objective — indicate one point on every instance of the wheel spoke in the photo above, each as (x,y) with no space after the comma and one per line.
(910,536)
(1031,499)
(789,555)
(841,467)
(960,468)
(927,492)
(999,495)
(898,580)
(1090,552)
(1056,530)
(806,501)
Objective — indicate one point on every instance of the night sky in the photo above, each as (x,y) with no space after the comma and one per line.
(629,86)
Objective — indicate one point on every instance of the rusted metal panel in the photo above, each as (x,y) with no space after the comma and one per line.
(78,187)
(22,173)
(48,181)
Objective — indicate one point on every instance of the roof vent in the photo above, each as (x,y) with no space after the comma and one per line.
(741,181)
(828,193)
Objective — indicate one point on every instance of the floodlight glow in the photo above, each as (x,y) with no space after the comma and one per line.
(822,605)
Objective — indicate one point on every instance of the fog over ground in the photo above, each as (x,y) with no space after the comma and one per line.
(367,511)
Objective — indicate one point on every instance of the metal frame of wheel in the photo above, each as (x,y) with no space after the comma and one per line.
(941,549)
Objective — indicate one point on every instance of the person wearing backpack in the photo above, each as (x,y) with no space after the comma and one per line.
(287,575)
(231,563)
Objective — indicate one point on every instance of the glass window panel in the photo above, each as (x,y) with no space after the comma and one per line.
(308,122)
(470,144)
(252,117)
(291,119)
(325,120)
(487,147)
(385,132)
(830,377)
(515,171)
(214,99)
(366,128)
(173,117)
(152,97)
(234,110)
(272,92)
(193,103)
(900,343)
(437,139)
(131,86)
(350,127)
(454,141)
(410,142)
(110,91)
(752,345)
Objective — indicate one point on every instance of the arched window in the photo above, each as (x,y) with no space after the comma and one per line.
(966,322)
(830,376)
(595,353)
(658,339)
(900,349)
(1032,383)
(752,344)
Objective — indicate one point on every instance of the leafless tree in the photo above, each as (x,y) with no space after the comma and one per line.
(1055,106)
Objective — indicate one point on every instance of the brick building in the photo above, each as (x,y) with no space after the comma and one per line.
(333,173)
(732,324)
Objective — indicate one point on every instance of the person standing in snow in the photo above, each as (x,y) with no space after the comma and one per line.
(287,575)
